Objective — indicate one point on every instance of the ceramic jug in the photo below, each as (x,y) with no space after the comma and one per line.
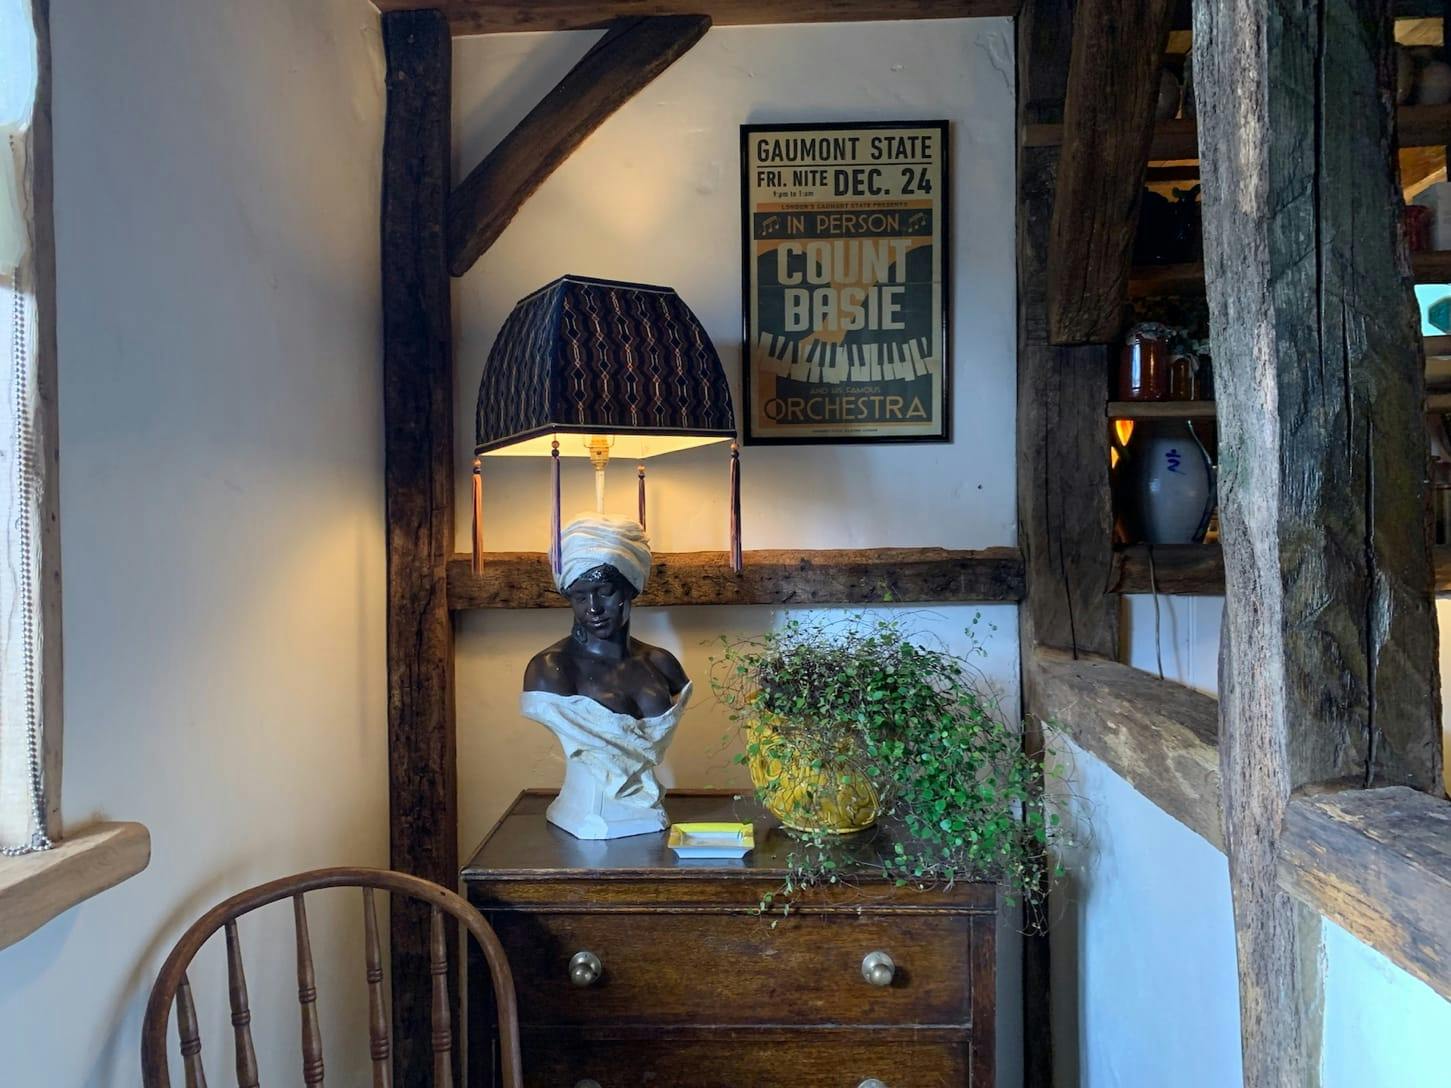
(1164,484)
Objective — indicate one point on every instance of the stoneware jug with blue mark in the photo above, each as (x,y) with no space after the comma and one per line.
(1164,484)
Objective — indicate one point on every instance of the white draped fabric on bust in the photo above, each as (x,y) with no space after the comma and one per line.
(610,790)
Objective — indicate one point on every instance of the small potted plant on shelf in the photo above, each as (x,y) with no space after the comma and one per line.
(847,722)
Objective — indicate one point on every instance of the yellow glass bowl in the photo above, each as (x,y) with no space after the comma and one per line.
(826,799)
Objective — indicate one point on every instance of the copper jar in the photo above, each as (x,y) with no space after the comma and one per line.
(1143,371)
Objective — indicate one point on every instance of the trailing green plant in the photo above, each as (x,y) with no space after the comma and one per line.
(869,698)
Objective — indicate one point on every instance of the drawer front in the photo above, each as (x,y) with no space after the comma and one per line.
(740,1062)
(730,969)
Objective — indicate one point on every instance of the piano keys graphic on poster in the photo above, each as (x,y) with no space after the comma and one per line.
(844,250)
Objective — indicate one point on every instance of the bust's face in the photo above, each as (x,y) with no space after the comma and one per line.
(601,600)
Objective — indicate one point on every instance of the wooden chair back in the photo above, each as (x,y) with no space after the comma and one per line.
(172,986)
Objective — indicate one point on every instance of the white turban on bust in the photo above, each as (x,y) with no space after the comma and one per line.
(593,540)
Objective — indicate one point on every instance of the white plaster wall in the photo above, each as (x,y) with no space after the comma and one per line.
(654,196)
(1145,991)
(217,209)
(1144,968)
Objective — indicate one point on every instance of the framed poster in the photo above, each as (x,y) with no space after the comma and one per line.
(844,262)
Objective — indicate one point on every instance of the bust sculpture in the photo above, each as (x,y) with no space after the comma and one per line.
(611,700)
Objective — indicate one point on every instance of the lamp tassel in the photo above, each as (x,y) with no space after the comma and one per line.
(737,561)
(556,551)
(478,557)
(640,488)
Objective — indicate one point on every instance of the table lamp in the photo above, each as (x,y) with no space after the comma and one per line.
(597,368)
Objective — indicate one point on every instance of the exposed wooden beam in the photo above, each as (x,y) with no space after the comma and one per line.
(418,487)
(498,17)
(632,54)
(870,576)
(1328,666)
(1348,456)
(1064,512)
(1377,862)
(1157,735)
(1108,126)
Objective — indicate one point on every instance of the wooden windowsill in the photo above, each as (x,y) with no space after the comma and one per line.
(37,887)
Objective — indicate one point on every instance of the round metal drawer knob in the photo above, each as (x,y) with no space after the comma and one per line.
(879,969)
(585,969)
(872,1082)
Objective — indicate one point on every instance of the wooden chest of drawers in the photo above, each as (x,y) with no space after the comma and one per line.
(636,969)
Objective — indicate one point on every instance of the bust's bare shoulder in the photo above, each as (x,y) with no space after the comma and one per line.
(665,663)
(551,670)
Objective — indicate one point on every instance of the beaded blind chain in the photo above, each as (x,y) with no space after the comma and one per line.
(25,470)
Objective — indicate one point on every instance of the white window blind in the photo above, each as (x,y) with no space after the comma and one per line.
(22,801)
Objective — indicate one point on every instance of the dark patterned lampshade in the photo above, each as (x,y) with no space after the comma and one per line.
(601,369)
(592,357)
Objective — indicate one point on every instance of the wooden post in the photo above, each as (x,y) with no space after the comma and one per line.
(418,417)
(615,69)
(1328,669)
(1108,123)
(42,268)
(1065,523)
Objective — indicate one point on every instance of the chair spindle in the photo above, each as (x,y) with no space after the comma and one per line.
(380,1048)
(442,1025)
(307,998)
(191,1037)
(241,1012)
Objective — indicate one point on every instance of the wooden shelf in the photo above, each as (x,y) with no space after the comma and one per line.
(1166,279)
(1161,409)
(1197,570)
(1429,266)
(1432,266)
(1437,402)
(1180,570)
(1173,141)
(868,576)
(1423,126)
(1177,140)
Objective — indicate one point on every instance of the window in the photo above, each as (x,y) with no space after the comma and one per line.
(38,878)
(23,808)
